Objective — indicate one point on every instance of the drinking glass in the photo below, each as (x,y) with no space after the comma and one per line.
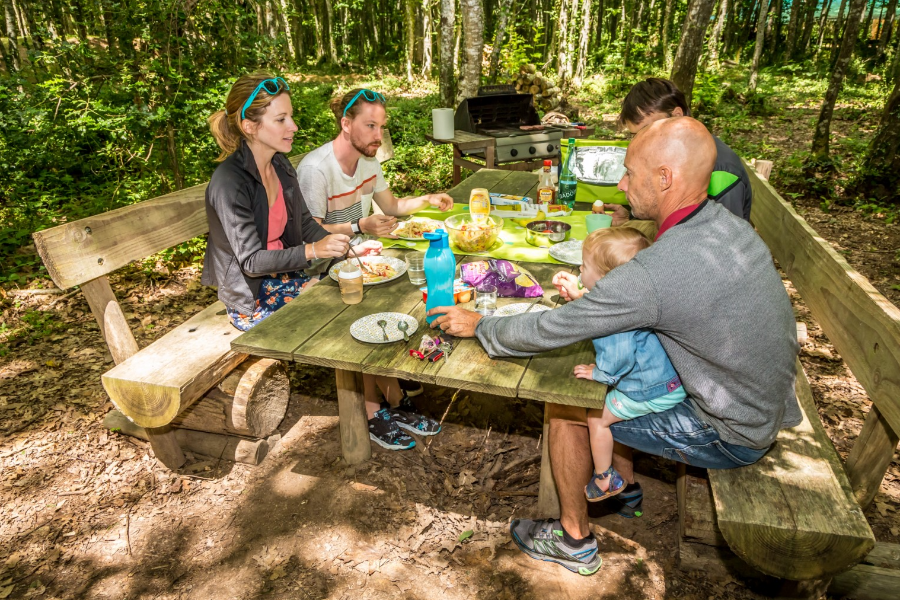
(486,299)
(415,267)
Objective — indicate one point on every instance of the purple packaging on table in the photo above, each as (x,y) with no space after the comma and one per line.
(511,281)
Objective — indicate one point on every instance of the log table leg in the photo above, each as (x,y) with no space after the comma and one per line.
(354,424)
(548,499)
(489,157)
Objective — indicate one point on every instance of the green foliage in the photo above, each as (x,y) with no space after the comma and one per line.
(31,326)
(520,49)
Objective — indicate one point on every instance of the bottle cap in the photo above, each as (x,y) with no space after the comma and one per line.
(548,163)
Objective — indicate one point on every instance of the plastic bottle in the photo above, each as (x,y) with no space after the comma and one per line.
(568,184)
(546,193)
(440,269)
(350,279)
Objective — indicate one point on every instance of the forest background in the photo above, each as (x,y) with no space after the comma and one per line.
(103,103)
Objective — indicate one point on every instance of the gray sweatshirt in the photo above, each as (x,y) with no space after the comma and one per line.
(709,290)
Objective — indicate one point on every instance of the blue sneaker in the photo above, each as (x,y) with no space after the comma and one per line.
(385,432)
(545,540)
(629,503)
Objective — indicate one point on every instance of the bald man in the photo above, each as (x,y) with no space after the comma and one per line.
(710,292)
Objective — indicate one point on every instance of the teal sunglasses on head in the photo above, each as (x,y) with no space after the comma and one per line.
(368,95)
(270,85)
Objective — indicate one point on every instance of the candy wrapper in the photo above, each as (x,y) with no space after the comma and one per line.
(511,281)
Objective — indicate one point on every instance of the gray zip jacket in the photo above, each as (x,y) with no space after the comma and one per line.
(237,209)
(710,292)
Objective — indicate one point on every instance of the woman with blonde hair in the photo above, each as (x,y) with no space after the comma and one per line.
(261,234)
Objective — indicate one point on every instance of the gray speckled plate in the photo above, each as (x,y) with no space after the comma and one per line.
(366,329)
(567,252)
(398,263)
(518,308)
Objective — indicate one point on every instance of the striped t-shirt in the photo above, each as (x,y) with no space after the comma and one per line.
(331,194)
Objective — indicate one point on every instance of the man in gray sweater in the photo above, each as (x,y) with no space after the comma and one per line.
(710,292)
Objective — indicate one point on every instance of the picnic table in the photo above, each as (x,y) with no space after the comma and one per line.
(314,329)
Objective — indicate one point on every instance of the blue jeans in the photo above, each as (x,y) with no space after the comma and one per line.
(679,434)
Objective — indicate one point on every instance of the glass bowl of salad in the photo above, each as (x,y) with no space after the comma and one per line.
(469,235)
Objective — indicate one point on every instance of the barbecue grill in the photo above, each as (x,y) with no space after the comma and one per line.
(510,118)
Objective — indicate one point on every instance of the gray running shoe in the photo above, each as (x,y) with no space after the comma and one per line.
(404,416)
(544,540)
(385,432)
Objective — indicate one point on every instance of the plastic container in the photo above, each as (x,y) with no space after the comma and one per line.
(350,279)
(440,270)
(462,292)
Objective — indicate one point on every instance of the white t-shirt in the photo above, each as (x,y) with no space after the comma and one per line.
(331,194)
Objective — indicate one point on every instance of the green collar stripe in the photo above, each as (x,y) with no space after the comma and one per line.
(720,182)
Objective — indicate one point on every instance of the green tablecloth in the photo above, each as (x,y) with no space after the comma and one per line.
(513,247)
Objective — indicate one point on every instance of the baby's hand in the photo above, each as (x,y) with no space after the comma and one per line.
(567,284)
(584,371)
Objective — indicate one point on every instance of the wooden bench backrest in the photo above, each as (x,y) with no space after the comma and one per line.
(863,325)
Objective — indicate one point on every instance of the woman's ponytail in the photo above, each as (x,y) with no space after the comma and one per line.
(226,134)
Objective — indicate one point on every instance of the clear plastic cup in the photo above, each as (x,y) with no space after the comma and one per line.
(486,299)
(351,282)
(415,268)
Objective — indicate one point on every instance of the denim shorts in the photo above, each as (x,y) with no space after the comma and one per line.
(679,434)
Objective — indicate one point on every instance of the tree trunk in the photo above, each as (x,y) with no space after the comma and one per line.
(717,34)
(823,21)
(867,24)
(879,176)
(776,29)
(561,46)
(473,26)
(285,16)
(427,22)
(317,29)
(505,6)
(820,143)
(684,69)
(629,32)
(447,38)
(760,42)
(329,30)
(583,41)
(667,28)
(12,33)
(792,30)
(886,28)
(808,26)
(409,27)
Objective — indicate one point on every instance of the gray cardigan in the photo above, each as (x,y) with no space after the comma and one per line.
(237,209)
(709,290)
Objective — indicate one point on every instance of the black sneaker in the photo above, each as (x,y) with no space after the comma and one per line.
(545,540)
(385,432)
(404,416)
(411,388)
(629,503)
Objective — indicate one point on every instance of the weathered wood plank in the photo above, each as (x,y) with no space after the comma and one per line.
(296,322)
(862,324)
(514,183)
(792,514)
(484,178)
(865,582)
(167,376)
(871,456)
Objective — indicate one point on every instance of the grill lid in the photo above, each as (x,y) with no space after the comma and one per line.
(496,111)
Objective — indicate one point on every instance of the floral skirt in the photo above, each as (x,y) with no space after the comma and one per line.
(274,292)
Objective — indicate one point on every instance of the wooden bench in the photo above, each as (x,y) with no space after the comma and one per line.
(797,513)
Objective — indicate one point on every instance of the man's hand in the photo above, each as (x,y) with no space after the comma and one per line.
(567,284)
(368,248)
(584,371)
(380,225)
(456,321)
(620,214)
(331,246)
(443,202)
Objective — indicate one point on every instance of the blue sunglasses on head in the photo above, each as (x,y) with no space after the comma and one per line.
(268,85)
(368,95)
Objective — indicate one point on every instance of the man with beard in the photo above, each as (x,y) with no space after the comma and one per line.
(340,179)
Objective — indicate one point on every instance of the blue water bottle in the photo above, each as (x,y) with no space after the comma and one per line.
(440,270)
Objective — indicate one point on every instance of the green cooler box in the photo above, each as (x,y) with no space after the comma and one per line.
(598,167)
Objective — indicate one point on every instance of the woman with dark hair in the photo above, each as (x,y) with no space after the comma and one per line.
(261,234)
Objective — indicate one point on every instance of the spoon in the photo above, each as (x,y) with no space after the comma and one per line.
(403,326)
(382,323)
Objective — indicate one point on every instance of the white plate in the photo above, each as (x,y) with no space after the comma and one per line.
(398,264)
(518,308)
(568,252)
(368,330)
(415,239)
